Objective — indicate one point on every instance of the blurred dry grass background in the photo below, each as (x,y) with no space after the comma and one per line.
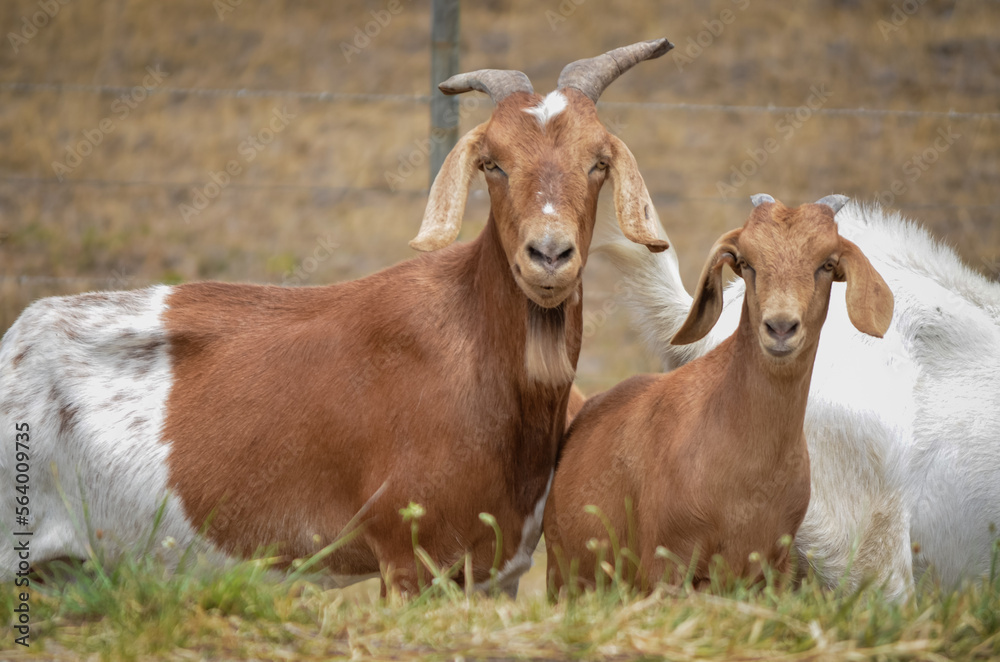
(115,222)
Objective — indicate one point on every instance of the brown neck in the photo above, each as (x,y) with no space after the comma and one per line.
(514,319)
(505,347)
(492,283)
(769,399)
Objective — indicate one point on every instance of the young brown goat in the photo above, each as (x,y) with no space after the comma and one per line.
(281,416)
(710,460)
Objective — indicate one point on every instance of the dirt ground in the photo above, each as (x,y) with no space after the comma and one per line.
(94,170)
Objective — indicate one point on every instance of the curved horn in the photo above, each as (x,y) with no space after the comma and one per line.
(760,198)
(498,83)
(834,202)
(593,75)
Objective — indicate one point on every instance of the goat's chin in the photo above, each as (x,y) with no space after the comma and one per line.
(548,297)
(779,352)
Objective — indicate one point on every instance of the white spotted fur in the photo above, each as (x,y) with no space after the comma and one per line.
(903,432)
(103,357)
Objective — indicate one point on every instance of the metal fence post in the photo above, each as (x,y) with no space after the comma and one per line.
(444,64)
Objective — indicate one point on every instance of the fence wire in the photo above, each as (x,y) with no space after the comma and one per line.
(353,97)
(332,97)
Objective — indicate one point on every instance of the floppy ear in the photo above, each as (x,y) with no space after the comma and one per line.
(707,305)
(446,202)
(632,203)
(869,300)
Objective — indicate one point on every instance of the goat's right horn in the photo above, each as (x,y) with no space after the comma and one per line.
(593,75)
(498,83)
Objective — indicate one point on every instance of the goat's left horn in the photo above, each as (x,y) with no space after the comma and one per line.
(498,83)
(834,202)
(593,75)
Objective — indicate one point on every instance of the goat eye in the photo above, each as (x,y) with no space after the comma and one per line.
(491,165)
(828,267)
(600,165)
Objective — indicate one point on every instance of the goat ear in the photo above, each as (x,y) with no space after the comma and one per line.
(707,304)
(869,300)
(446,202)
(633,206)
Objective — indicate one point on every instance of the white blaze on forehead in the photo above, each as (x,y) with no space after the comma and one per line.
(548,208)
(553,104)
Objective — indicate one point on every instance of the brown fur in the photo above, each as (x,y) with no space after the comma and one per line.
(711,460)
(443,380)
(575,404)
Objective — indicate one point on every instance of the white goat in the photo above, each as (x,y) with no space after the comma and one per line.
(903,433)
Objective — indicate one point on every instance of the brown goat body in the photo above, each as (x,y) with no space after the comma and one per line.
(707,466)
(227,418)
(287,388)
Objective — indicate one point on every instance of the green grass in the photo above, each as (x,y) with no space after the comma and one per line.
(137,610)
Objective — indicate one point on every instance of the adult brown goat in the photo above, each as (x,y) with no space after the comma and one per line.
(280,417)
(710,461)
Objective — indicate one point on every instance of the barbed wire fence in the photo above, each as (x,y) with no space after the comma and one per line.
(117,279)
(420,99)
(426,98)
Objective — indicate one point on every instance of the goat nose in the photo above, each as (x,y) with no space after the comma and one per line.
(551,254)
(781,329)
